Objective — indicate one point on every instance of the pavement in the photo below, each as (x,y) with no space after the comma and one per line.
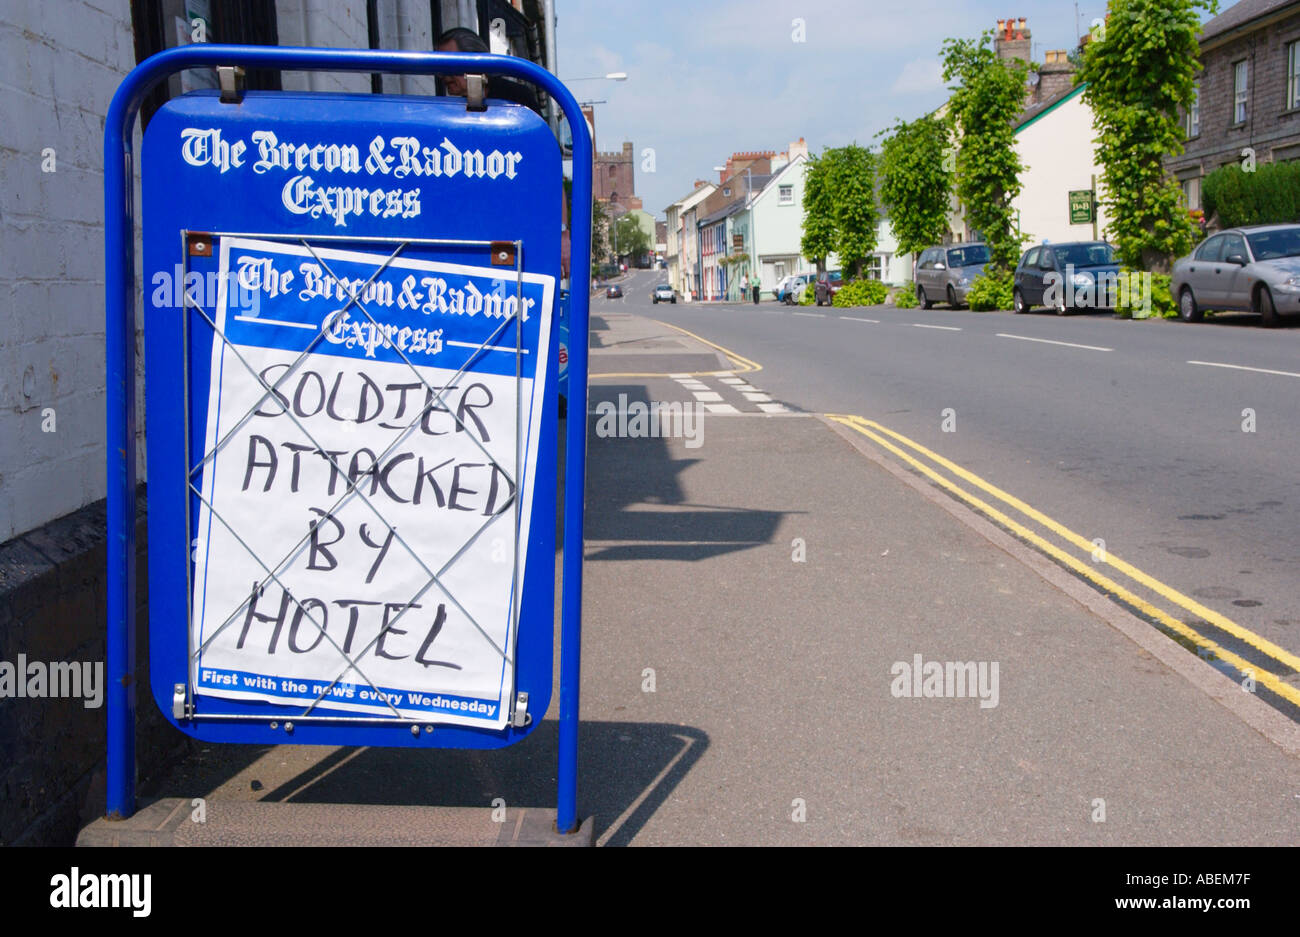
(757,600)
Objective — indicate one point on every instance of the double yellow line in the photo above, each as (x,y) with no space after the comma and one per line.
(882,435)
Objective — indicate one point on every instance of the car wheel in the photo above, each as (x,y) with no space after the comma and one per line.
(1018,302)
(674,300)
(922,299)
(654,300)
(1267,309)
(952,297)
(1188,311)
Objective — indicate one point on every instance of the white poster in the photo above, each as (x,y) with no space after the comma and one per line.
(356,540)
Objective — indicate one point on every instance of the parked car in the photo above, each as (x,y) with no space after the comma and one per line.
(791,288)
(613,291)
(1067,276)
(1254,269)
(663,293)
(946,273)
(828,284)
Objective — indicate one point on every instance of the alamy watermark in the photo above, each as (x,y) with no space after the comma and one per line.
(59,679)
(1104,290)
(946,680)
(656,419)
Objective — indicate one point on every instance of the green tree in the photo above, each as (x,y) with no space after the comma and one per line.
(599,231)
(818,237)
(839,202)
(988,94)
(1140,67)
(630,237)
(915,184)
(856,215)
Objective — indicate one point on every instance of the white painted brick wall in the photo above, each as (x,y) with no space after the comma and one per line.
(59,66)
(60,62)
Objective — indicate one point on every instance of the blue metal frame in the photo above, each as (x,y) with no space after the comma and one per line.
(120,286)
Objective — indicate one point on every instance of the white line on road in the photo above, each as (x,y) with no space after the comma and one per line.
(811,315)
(856,319)
(720,408)
(1048,341)
(946,328)
(772,408)
(1242,367)
(707,396)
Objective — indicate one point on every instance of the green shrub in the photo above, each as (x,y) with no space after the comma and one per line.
(809,295)
(905,298)
(861,293)
(1133,298)
(991,290)
(1269,195)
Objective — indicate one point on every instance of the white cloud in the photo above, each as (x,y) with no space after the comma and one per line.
(919,76)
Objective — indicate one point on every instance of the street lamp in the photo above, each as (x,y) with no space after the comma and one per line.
(612,76)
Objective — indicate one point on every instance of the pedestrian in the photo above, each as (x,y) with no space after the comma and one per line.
(744,287)
(755,285)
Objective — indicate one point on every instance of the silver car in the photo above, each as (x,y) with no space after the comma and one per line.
(1255,269)
(944,274)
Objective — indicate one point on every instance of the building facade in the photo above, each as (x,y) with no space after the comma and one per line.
(1247,105)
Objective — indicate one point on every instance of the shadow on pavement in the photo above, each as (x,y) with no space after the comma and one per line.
(637,508)
(626,771)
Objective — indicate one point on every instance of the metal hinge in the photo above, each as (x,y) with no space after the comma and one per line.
(180,705)
(475,91)
(521,716)
(231,80)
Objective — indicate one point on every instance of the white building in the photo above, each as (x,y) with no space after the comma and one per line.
(682,250)
(1056,147)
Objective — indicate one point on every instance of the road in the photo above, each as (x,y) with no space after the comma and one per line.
(1176,445)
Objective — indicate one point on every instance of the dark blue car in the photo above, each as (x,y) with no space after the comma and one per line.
(1067,276)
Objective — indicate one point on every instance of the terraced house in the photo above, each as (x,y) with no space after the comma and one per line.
(1248,92)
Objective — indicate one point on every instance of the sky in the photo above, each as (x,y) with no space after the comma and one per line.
(711,77)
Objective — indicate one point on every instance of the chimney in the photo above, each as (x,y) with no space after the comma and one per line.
(1012,39)
(1055,76)
(701,182)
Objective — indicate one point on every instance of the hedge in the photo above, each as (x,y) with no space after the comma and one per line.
(1269,195)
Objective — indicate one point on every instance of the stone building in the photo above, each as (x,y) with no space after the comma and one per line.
(1248,92)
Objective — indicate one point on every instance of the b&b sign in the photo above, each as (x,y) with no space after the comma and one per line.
(351,415)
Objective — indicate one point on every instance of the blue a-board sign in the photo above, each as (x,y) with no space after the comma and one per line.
(352,359)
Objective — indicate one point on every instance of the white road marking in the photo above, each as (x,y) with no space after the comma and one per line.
(946,328)
(707,396)
(811,315)
(732,380)
(856,319)
(772,408)
(1048,341)
(757,396)
(679,377)
(1242,367)
(720,408)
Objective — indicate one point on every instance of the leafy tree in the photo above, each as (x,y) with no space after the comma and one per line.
(599,231)
(915,185)
(840,214)
(856,215)
(1140,67)
(988,93)
(630,237)
(818,238)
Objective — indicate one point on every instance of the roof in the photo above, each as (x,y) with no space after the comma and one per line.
(1035,111)
(725,212)
(1243,13)
(701,190)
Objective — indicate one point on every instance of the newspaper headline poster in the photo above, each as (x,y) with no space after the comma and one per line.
(391,450)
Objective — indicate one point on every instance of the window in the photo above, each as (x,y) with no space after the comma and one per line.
(1293,75)
(1194,113)
(1240,92)
(872,267)
(1031,258)
(785,194)
(1211,250)
(1234,244)
(1192,193)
